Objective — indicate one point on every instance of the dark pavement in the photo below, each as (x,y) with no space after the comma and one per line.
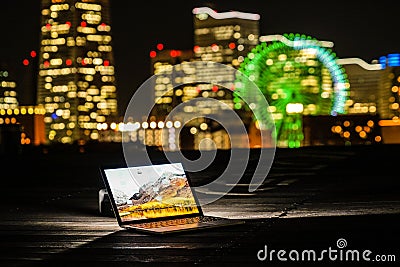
(314,199)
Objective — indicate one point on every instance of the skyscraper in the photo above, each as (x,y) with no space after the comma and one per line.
(366,82)
(389,101)
(8,93)
(374,87)
(19,124)
(225,37)
(76,82)
(10,130)
(165,64)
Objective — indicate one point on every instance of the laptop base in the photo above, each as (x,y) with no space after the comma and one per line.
(184,227)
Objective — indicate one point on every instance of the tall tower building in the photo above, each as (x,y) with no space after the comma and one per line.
(19,125)
(165,65)
(366,85)
(8,93)
(225,37)
(374,88)
(76,82)
(389,101)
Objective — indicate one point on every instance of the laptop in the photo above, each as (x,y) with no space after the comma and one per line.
(157,199)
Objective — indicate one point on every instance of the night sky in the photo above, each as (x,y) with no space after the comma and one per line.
(357,28)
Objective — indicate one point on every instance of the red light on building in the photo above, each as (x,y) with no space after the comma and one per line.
(153,54)
(48,26)
(106,63)
(83,24)
(46,64)
(196,49)
(173,53)
(25,62)
(215,88)
(68,62)
(103,24)
(68,23)
(160,46)
(33,53)
(232,45)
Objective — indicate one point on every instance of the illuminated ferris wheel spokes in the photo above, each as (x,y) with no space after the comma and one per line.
(298,78)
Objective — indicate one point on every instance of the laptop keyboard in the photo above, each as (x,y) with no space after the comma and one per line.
(179,221)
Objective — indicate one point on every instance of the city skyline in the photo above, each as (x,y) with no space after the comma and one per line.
(353,29)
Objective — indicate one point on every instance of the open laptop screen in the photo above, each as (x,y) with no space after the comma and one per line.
(151,191)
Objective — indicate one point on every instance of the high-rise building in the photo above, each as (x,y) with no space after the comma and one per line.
(10,130)
(374,94)
(225,37)
(19,124)
(166,66)
(374,88)
(8,93)
(389,101)
(76,82)
(366,82)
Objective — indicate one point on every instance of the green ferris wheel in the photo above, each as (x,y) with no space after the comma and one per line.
(298,76)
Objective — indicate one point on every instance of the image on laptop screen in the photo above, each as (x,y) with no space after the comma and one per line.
(151,191)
